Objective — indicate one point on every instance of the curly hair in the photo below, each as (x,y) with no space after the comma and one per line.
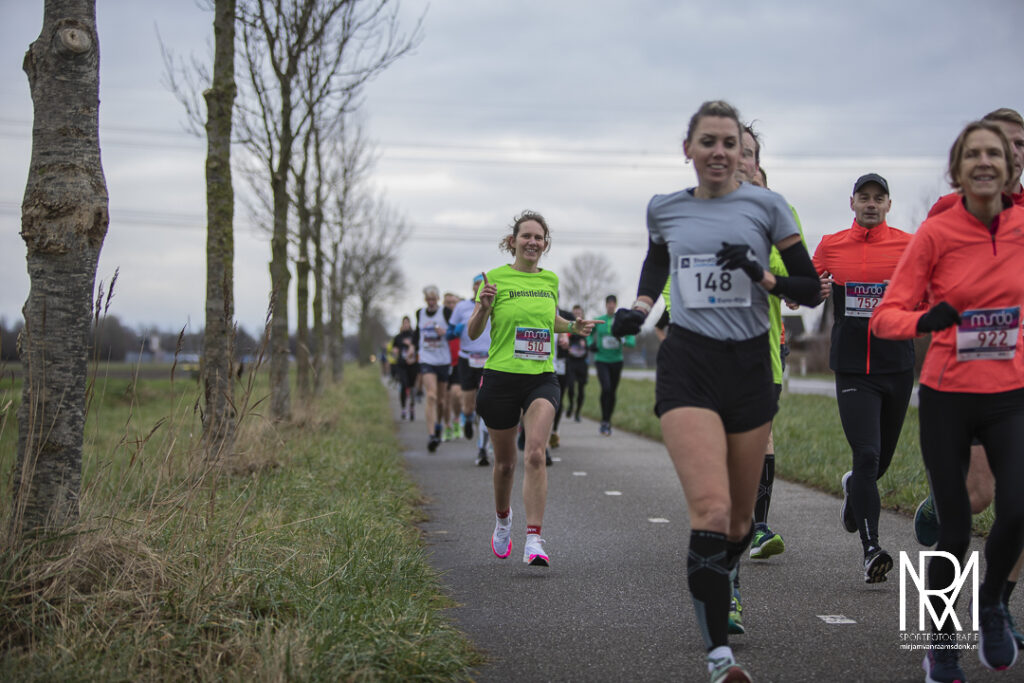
(506,242)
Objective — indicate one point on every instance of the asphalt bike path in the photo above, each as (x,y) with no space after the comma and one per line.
(614,604)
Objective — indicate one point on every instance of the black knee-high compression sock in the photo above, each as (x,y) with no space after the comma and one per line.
(764,490)
(708,578)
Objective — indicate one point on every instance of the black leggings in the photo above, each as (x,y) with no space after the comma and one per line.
(563,384)
(576,371)
(407,380)
(872,409)
(608,374)
(949,421)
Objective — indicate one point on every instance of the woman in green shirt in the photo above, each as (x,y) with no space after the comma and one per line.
(521,302)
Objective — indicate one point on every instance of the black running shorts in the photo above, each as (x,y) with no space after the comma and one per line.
(442,371)
(469,378)
(504,396)
(734,379)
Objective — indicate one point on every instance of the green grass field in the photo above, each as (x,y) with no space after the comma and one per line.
(810,446)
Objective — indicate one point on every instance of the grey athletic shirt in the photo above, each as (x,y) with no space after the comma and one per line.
(705,299)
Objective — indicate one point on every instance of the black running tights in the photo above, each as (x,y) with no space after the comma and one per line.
(872,408)
(949,421)
(563,384)
(608,374)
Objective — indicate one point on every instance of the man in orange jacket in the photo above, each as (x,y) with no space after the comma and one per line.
(874,377)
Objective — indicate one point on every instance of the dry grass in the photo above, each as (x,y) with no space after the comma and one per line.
(183,568)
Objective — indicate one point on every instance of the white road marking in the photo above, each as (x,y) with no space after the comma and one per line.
(556,460)
(579,474)
(613,493)
(657,520)
(836,619)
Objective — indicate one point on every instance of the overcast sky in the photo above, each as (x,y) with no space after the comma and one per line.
(575,109)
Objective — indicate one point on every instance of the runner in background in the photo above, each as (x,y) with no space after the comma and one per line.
(874,377)
(408,365)
(453,393)
(521,301)
(472,356)
(766,542)
(608,360)
(561,355)
(714,390)
(966,263)
(435,362)
(576,369)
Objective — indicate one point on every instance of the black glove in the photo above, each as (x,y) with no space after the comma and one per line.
(941,316)
(627,321)
(733,256)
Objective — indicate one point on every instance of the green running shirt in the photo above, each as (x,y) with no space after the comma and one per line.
(522,321)
(609,348)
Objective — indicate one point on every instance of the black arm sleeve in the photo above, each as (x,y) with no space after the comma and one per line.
(802,285)
(654,272)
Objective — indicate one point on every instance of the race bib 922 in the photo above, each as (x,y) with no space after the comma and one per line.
(988,333)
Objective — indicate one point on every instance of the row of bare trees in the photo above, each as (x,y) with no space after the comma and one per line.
(292,109)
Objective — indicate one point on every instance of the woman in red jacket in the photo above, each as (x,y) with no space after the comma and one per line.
(874,377)
(967,259)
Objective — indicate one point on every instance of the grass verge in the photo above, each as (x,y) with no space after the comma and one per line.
(297,560)
(810,446)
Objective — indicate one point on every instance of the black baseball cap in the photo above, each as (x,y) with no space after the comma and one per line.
(870,178)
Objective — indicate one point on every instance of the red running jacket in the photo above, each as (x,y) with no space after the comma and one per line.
(862,255)
(954,257)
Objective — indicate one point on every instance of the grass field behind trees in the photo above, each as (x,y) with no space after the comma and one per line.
(298,560)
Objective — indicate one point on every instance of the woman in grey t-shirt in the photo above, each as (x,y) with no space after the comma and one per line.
(714,390)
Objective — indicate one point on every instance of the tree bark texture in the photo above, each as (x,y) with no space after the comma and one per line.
(64,221)
(219,420)
(302,210)
(336,326)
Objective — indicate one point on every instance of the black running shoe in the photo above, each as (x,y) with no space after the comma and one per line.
(467,429)
(481,458)
(997,648)
(433,443)
(877,564)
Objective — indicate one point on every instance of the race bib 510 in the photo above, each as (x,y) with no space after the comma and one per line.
(532,343)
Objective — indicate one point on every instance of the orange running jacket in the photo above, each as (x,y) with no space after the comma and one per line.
(862,256)
(954,257)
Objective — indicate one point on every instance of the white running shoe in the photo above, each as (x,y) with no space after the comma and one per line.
(533,551)
(501,539)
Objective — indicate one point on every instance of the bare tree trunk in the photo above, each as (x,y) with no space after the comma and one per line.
(218,339)
(64,221)
(302,295)
(365,342)
(337,324)
(319,343)
(280,391)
